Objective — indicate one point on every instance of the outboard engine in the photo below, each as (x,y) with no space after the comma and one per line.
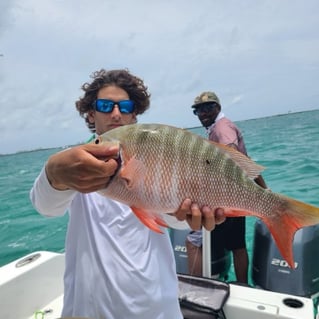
(220,264)
(271,272)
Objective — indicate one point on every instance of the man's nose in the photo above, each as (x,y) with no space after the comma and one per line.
(116,111)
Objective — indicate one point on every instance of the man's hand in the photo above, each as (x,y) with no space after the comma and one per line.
(85,168)
(196,217)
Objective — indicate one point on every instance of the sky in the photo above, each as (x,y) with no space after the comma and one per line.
(260,57)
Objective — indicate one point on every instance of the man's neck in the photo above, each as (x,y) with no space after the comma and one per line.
(219,117)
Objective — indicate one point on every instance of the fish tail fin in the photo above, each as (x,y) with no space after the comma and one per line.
(291,216)
(149,220)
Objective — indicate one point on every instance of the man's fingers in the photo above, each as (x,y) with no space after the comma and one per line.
(219,216)
(197,217)
(209,221)
(184,209)
(103,151)
(194,219)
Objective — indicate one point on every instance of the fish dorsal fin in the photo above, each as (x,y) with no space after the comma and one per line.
(251,168)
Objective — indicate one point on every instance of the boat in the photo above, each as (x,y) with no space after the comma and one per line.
(31,287)
(270,272)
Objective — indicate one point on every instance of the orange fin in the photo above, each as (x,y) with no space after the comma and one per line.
(283,231)
(160,221)
(251,168)
(235,212)
(149,220)
(283,224)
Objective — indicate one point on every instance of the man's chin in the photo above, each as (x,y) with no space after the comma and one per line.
(206,123)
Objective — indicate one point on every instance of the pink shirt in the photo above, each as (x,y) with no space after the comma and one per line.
(226,132)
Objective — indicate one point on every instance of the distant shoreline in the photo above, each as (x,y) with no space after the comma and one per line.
(193,127)
(264,117)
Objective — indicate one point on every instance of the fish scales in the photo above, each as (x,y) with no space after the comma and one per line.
(162,165)
(182,153)
(169,155)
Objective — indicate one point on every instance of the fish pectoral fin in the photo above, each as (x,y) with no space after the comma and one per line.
(149,220)
(160,221)
(251,168)
(132,172)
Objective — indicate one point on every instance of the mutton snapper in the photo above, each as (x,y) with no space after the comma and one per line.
(161,165)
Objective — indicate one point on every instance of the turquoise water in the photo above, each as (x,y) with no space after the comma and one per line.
(288,146)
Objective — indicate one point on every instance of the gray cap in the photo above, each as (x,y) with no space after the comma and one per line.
(206,97)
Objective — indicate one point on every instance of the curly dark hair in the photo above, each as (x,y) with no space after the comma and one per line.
(134,86)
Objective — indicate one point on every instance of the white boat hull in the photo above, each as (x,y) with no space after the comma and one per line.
(35,284)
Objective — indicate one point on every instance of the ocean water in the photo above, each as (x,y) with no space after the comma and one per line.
(287,145)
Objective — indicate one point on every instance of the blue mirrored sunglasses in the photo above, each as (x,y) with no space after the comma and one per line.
(204,108)
(107,106)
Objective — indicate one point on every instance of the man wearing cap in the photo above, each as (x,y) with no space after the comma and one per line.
(231,234)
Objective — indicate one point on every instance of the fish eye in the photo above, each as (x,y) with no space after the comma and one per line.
(97,140)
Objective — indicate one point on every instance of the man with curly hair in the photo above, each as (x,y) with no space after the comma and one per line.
(115,266)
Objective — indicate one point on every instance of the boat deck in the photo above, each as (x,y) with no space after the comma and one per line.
(50,311)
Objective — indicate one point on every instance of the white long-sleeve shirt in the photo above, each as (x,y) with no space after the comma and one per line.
(115,266)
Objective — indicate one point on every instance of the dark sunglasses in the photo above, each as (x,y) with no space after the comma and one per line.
(107,106)
(204,108)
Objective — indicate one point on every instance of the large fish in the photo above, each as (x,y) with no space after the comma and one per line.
(161,165)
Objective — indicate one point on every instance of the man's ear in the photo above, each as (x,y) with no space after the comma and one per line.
(91,116)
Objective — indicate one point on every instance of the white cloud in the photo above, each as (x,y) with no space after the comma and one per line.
(260,57)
